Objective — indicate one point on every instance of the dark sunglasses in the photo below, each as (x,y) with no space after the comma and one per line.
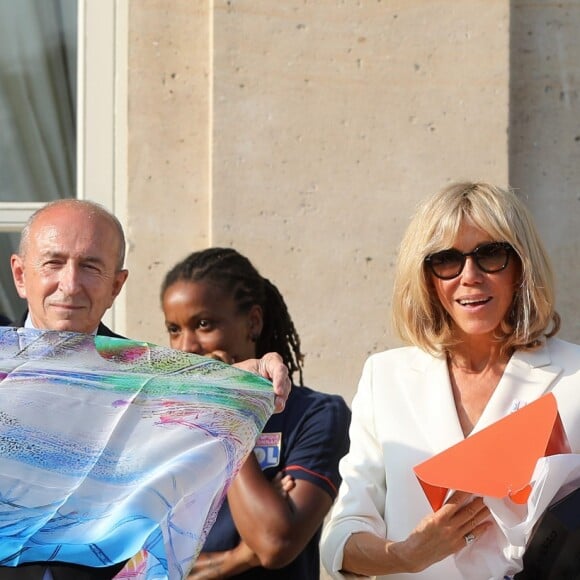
(489,258)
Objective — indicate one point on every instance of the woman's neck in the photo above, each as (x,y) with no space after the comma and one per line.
(474,376)
(472,357)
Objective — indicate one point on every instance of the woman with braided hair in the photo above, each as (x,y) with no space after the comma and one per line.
(217,304)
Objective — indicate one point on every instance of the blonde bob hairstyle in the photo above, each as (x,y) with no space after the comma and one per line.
(418,316)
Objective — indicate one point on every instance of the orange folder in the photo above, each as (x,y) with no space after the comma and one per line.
(497,461)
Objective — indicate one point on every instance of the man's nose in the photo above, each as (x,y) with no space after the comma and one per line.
(70,279)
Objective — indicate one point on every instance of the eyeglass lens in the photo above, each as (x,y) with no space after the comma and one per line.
(489,258)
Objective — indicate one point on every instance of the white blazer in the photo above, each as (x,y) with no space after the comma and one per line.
(404,413)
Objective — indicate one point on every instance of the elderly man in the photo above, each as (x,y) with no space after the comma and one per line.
(69,268)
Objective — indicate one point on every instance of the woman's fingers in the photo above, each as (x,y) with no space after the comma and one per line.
(476,533)
(472,514)
(464,507)
(221,355)
(472,519)
(465,519)
(457,524)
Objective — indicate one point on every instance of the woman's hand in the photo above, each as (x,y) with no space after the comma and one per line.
(444,532)
(437,536)
(221,355)
(270,366)
(276,524)
(214,565)
(283,484)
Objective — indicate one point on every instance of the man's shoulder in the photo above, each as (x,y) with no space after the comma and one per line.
(103,330)
(19,322)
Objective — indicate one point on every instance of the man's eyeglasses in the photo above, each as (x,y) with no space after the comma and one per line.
(489,258)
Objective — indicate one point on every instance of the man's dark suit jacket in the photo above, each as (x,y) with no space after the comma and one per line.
(61,570)
(101,331)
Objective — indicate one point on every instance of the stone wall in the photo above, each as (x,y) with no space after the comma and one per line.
(304,134)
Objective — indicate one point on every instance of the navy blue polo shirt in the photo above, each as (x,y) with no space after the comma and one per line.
(307,440)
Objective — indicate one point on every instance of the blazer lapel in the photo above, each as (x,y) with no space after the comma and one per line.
(527,376)
(431,399)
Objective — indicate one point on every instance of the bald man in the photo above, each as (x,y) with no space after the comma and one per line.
(69,266)
(69,269)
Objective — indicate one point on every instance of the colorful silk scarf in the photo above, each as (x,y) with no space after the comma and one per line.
(111,447)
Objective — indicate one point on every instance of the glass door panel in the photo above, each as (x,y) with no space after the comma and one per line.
(38,118)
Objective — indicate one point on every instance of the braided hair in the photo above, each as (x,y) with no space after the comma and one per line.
(229,270)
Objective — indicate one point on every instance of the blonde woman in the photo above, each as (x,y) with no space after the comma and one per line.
(474,300)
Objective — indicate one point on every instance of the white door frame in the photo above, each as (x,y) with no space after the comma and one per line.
(101,120)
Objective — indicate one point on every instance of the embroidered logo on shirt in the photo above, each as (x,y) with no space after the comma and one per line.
(267,449)
(517,405)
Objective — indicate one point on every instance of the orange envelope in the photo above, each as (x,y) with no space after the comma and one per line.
(497,461)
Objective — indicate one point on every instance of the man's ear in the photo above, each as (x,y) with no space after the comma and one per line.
(17,265)
(120,279)
(255,321)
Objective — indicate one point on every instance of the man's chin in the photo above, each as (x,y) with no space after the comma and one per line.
(75,329)
(69,325)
